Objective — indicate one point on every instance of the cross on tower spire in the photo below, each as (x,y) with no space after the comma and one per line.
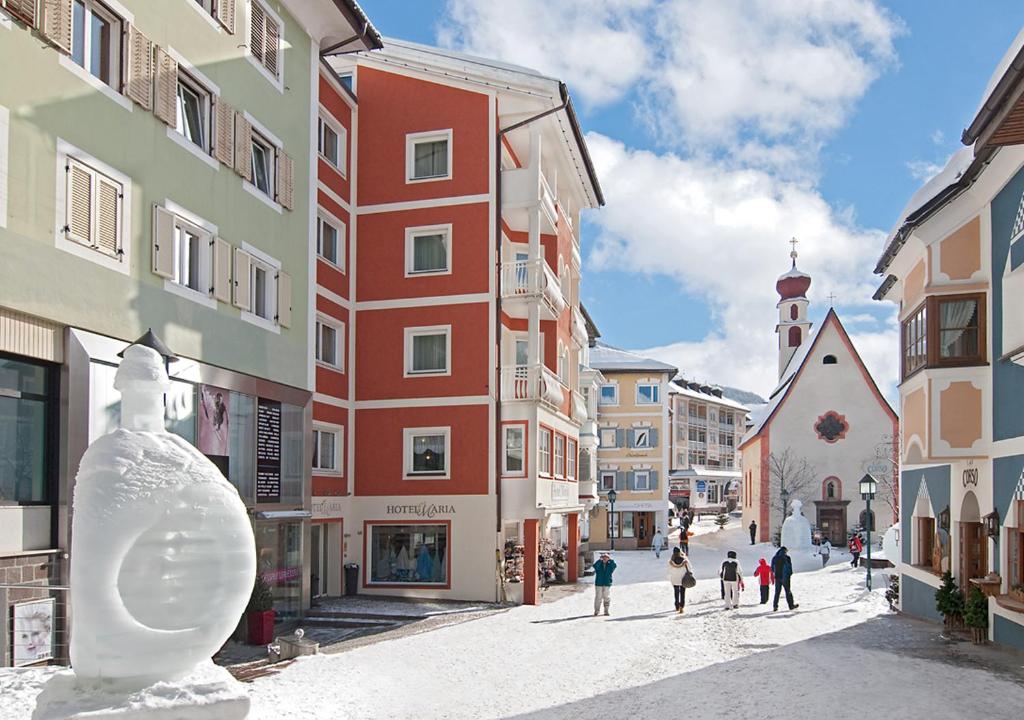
(792,252)
(831,299)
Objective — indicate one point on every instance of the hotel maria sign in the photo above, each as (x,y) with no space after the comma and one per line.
(423,509)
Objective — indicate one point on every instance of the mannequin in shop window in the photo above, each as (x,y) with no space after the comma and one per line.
(424,564)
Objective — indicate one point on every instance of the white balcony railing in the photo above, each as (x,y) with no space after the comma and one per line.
(579,327)
(532,278)
(531,382)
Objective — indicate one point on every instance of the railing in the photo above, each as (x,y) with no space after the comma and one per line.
(547,201)
(531,382)
(36,630)
(530,278)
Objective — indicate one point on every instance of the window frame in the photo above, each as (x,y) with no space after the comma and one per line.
(926,316)
(338,431)
(647,477)
(408,445)
(545,451)
(427,330)
(205,97)
(521,428)
(600,394)
(559,462)
(655,393)
(411,233)
(270,289)
(275,78)
(117,24)
(603,475)
(414,139)
(571,459)
(647,434)
(338,326)
(325,218)
(600,437)
(269,150)
(205,239)
(326,121)
(51,430)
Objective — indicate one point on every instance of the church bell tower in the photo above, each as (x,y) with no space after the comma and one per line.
(793,327)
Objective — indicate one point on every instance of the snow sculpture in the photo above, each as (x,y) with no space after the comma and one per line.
(891,545)
(163,553)
(796,530)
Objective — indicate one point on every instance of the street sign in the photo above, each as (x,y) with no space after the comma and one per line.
(702,486)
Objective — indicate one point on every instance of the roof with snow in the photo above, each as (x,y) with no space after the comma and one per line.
(677,389)
(608,358)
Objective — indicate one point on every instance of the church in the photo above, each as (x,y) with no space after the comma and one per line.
(825,425)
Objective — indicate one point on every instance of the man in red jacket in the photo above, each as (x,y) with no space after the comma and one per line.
(856,547)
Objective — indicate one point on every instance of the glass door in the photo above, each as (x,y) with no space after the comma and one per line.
(316,561)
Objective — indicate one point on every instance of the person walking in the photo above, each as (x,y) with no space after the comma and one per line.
(825,550)
(856,548)
(753,531)
(765,578)
(658,543)
(782,569)
(603,570)
(680,574)
(732,580)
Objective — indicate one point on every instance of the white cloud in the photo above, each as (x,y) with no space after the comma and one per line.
(924,170)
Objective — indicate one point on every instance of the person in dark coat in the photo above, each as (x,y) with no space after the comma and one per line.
(603,570)
(753,531)
(782,568)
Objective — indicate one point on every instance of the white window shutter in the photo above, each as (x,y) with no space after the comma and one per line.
(57,23)
(243,146)
(163,242)
(138,70)
(221,270)
(223,132)
(225,14)
(242,286)
(79,204)
(257,30)
(272,47)
(166,105)
(285,179)
(284,299)
(108,216)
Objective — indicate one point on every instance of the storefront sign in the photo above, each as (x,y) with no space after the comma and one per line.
(268,451)
(561,494)
(33,631)
(970,477)
(702,486)
(639,505)
(327,507)
(281,575)
(213,420)
(423,509)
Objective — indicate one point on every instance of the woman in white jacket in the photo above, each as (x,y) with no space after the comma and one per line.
(678,569)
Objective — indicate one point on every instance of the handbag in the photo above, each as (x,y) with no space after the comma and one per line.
(688,580)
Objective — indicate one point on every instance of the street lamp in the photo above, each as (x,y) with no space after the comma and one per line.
(612,525)
(868,486)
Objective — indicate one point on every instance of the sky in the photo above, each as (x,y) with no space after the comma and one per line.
(720,129)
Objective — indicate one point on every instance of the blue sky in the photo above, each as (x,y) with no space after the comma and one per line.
(841,109)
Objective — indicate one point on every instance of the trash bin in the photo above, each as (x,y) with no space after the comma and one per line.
(351,578)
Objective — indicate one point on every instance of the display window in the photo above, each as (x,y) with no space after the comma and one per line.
(408,554)
(279,563)
(29,394)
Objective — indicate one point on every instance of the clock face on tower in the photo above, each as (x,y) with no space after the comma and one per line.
(831,427)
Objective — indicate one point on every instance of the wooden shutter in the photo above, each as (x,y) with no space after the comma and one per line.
(138,70)
(225,14)
(108,216)
(166,105)
(79,203)
(163,242)
(257,30)
(271,47)
(284,299)
(243,263)
(285,178)
(223,132)
(57,23)
(24,10)
(243,146)
(221,270)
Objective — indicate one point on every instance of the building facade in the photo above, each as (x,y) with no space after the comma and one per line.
(633,449)
(953,266)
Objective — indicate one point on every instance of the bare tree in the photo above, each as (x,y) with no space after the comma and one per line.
(888,450)
(789,476)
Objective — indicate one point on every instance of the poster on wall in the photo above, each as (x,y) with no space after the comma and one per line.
(33,632)
(213,421)
(268,451)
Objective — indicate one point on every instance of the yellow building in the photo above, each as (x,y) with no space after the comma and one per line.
(633,450)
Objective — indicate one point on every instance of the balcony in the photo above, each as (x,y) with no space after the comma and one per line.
(579,407)
(579,328)
(527,188)
(533,383)
(526,281)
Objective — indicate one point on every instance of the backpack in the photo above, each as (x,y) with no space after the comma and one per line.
(729,570)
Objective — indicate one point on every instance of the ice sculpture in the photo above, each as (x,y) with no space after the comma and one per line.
(163,556)
(796,530)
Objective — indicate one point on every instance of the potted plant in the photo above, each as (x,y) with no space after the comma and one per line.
(949,602)
(976,615)
(259,613)
(892,593)
(1017,593)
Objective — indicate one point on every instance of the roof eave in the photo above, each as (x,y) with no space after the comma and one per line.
(370,37)
(581,142)
(996,100)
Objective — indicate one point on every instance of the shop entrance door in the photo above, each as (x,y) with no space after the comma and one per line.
(319,554)
(643,530)
(973,552)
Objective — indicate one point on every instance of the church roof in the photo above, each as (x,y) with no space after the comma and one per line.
(761,417)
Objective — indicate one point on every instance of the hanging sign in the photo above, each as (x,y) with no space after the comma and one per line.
(268,451)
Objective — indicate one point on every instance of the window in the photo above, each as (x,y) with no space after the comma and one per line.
(607,481)
(28,397)
(563,366)
(915,341)
(327,450)
(193,112)
(1016,547)
(829,360)
(698,435)
(609,394)
(925,540)
(608,438)
(96,41)
(347,79)
(647,393)
(641,437)
(427,451)
(958,329)
(559,455)
(332,142)
(794,336)
(945,330)
(93,208)
(544,452)
(515,439)
(262,290)
(428,250)
(570,461)
(265,38)
(328,343)
(407,554)
(627,524)
(427,350)
(428,156)
(793,312)
(330,241)
(642,480)
(698,457)
(193,255)
(263,165)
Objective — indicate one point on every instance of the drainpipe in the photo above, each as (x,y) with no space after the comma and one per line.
(497,305)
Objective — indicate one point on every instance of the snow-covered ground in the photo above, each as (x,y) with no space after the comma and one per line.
(840,655)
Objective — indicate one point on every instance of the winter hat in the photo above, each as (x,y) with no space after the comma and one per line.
(731,554)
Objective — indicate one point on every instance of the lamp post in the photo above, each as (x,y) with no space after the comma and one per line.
(868,486)
(612,525)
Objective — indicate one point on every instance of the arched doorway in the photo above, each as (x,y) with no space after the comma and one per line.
(973,543)
(831,520)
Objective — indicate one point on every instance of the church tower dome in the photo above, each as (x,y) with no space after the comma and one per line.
(794,327)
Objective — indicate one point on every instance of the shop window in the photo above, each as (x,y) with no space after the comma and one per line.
(544,452)
(515,460)
(294,453)
(415,554)
(559,455)
(242,445)
(647,393)
(427,451)
(28,407)
(279,563)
